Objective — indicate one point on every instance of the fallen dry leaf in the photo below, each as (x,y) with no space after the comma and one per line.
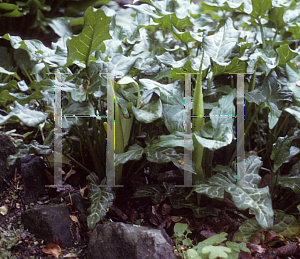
(176,218)
(52,249)
(74,218)
(70,255)
(81,191)
(3,210)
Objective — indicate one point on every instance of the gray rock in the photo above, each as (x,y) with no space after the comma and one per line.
(34,179)
(7,148)
(123,241)
(52,223)
(76,199)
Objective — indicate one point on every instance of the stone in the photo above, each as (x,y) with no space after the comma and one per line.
(76,199)
(34,178)
(123,241)
(7,148)
(52,223)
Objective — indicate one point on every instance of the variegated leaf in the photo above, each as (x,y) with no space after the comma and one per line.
(101,199)
(245,194)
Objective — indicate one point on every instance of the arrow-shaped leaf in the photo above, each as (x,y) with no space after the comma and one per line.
(95,31)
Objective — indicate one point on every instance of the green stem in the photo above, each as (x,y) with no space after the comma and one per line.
(262,34)
(272,186)
(246,133)
(208,159)
(276,133)
(92,151)
(258,132)
(198,123)
(198,48)
(273,41)
(286,196)
(292,205)
(97,136)
(77,163)
(27,74)
(81,152)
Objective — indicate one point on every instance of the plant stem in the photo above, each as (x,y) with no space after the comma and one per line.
(246,133)
(77,163)
(272,186)
(198,123)
(282,124)
(92,151)
(257,124)
(292,205)
(262,34)
(273,41)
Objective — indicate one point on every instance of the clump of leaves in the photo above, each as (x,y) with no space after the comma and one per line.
(180,232)
(8,238)
(209,248)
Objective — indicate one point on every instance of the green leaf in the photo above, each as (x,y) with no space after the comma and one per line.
(156,192)
(260,7)
(101,199)
(216,251)
(128,80)
(284,150)
(294,110)
(150,112)
(180,229)
(285,225)
(276,16)
(293,77)
(270,94)
(169,93)
(292,182)
(122,63)
(95,31)
(186,36)
(192,254)
(179,200)
(61,26)
(216,239)
(174,117)
(175,139)
(218,133)
(220,45)
(234,66)
(237,247)
(264,59)
(145,9)
(285,54)
(8,7)
(36,50)
(25,115)
(135,152)
(245,194)
(4,71)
